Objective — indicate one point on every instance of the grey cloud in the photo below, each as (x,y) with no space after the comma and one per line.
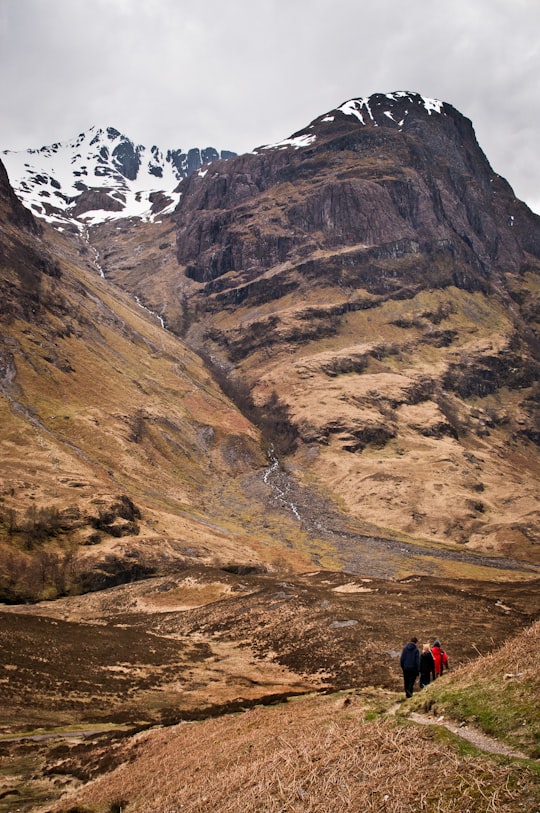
(239,74)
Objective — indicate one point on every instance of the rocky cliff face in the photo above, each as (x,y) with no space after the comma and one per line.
(24,260)
(377,274)
(390,172)
(11,207)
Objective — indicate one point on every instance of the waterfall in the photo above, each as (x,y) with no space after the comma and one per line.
(278,481)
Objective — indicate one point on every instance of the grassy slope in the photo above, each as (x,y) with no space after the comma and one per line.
(333,752)
(99,401)
(456,469)
(500,693)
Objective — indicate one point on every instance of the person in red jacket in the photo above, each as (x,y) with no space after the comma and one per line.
(440,657)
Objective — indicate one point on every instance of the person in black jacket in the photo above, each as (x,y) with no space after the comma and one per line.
(427,666)
(410,665)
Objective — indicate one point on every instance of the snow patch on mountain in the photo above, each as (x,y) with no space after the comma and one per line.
(102,175)
(386,104)
(296,142)
(378,110)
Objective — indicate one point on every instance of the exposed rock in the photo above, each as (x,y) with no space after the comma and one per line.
(96,199)
(382,232)
(12,207)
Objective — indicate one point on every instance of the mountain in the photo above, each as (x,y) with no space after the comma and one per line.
(375,273)
(327,355)
(288,423)
(100,175)
(120,455)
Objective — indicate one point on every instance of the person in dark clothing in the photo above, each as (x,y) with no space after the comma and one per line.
(410,665)
(427,666)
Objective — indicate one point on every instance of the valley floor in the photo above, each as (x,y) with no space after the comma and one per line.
(177,654)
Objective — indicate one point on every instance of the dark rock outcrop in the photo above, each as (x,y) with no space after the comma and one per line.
(406,179)
(23,258)
(11,207)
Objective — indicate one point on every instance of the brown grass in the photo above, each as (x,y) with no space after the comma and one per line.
(136,655)
(316,754)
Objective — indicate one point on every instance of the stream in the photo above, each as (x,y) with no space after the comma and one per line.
(86,237)
(278,481)
(377,556)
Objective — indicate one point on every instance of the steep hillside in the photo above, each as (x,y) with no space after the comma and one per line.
(497,693)
(378,276)
(116,444)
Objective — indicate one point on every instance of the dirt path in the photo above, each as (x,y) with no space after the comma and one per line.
(469,733)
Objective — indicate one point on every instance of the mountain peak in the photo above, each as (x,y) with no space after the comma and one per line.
(391,110)
(383,108)
(101,174)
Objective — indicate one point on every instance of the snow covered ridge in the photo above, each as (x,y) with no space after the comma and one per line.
(380,109)
(298,142)
(394,106)
(101,175)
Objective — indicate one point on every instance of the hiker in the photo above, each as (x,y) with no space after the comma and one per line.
(440,657)
(427,666)
(410,664)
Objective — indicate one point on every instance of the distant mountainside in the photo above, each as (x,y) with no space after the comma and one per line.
(366,291)
(395,171)
(305,398)
(115,444)
(102,174)
(377,274)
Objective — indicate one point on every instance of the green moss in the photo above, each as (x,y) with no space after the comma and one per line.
(506,710)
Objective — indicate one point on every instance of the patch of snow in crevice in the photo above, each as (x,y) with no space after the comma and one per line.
(350,108)
(298,142)
(432,105)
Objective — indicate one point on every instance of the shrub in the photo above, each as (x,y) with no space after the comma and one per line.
(45,573)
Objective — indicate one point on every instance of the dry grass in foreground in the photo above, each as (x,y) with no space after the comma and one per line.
(313,754)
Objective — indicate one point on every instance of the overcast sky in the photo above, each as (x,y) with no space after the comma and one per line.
(236,74)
